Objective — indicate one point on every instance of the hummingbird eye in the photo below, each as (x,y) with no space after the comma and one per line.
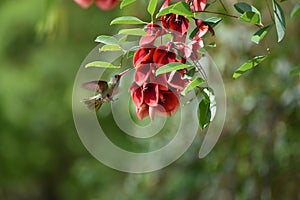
(116,76)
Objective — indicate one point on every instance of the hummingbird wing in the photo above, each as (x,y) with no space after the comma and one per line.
(96,86)
(93,104)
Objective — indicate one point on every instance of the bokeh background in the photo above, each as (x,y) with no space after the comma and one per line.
(42,44)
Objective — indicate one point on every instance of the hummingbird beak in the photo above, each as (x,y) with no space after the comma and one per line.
(124,72)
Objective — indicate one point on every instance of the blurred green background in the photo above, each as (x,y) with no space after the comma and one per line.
(42,44)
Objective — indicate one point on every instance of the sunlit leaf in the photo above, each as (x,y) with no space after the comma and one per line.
(133,31)
(111,47)
(171,67)
(248,65)
(126,3)
(213,21)
(296,10)
(106,39)
(122,39)
(249,13)
(279,20)
(251,17)
(195,83)
(127,20)
(130,54)
(101,64)
(260,34)
(212,45)
(180,8)
(190,72)
(152,7)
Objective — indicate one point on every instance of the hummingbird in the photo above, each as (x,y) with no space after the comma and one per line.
(105,91)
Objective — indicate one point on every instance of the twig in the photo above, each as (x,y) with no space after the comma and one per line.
(221,2)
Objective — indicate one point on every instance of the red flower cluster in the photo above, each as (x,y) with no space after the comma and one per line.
(156,94)
(160,94)
(178,26)
(102,4)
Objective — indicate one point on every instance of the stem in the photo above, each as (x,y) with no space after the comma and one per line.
(200,70)
(219,13)
(269,9)
(227,15)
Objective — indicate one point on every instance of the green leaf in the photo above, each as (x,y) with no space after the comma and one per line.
(127,20)
(279,20)
(204,111)
(100,64)
(180,8)
(123,39)
(106,39)
(195,83)
(133,31)
(213,21)
(111,47)
(171,67)
(193,33)
(212,45)
(190,72)
(207,107)
(152,7)
(126,3)
(130,54)
(249,13)
(260,34)
(295,71)
(251,17)
(248,65)
(243,7)
(296,10)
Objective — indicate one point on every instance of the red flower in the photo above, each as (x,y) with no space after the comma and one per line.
(203,28)
(143,56)
(176,81)
(149,99)
(168,103)
(102,4)
(162,57)
(153,31)
(198,5)
(175,23)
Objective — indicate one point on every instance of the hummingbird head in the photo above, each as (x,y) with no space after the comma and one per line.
(116,78)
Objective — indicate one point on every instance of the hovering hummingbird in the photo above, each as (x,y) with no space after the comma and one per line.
(106,91)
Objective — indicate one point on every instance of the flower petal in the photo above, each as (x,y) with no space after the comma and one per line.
(163,57)
(153,31)
(175,23)
(142,111)
(151,112)
(175,80)
(168,103)
(143,56)
(142,74)
(136,94)
(160,80)
(151,94)
(198,5)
